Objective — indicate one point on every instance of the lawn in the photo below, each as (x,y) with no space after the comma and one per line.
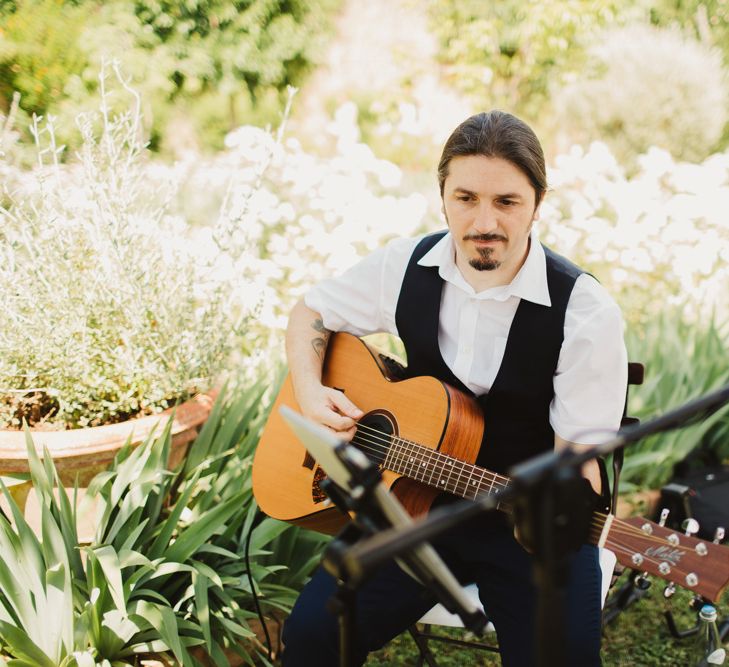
(639,636)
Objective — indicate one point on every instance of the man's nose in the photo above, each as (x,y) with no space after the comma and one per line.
(485,220)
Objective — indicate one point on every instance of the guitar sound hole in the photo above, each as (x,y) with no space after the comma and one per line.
(374,434)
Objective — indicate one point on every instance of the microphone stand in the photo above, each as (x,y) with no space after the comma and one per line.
(375,509)
(552,510)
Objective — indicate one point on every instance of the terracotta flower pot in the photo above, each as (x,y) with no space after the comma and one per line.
(79,454)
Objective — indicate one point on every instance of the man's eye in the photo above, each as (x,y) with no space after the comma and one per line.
(507,202)
(464,198)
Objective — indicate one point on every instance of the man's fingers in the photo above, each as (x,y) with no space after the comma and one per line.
(344,405)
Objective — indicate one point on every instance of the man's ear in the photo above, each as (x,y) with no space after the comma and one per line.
(537,210)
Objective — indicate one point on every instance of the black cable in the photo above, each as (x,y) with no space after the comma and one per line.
(246,553)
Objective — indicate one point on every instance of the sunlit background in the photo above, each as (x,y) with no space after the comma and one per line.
(211,160)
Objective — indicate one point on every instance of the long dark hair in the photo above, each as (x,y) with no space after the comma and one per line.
(497,134)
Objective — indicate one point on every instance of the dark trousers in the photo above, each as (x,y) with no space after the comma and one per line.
(391,601)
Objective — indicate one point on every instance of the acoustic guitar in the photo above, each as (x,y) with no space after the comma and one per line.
(425,437)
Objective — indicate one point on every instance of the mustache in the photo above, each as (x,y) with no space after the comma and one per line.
(484,237)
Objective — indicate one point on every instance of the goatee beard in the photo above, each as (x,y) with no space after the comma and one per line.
(484,262)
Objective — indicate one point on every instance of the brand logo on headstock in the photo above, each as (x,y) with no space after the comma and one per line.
(673,556)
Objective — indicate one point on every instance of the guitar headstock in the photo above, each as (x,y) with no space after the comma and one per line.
(694,564)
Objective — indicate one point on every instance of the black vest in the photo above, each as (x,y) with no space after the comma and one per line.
(516,409)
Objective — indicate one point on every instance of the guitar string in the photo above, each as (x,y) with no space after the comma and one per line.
(386,441)
(619,528)
(437,467)
(597,523)
(627,529)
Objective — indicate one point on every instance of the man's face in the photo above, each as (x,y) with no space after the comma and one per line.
(490,206)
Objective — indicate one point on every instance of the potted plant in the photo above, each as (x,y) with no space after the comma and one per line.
(109,315)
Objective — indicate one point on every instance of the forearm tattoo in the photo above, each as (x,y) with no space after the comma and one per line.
(319,343)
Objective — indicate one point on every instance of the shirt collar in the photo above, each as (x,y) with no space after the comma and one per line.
(530,282)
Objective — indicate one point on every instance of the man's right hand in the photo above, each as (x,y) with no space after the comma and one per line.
(331,408)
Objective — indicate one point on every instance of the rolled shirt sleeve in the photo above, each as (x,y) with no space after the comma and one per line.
(363,299)
(591,379)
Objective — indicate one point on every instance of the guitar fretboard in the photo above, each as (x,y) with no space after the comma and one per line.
(442,471)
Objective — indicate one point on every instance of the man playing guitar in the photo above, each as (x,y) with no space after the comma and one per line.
(487,309)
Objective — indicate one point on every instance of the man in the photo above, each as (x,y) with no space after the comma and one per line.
(486,308)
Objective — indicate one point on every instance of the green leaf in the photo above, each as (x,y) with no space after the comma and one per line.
(108,559)
(202,608)
(22,647)
(198,533)
(163,618)
(170,523)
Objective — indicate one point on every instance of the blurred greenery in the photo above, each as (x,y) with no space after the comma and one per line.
(684,360)
(204,67)
(522,56)
(511,54)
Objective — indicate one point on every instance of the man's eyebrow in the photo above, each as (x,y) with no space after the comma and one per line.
(507,195)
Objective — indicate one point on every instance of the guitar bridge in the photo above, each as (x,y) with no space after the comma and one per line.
(317,495)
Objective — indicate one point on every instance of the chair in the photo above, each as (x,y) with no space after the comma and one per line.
(439,616)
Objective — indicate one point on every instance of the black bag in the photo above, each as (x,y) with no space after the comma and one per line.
(701,493)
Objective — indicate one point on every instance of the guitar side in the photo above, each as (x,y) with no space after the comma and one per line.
(425,410)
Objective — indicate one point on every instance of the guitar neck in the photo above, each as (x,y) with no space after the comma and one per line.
(637,543)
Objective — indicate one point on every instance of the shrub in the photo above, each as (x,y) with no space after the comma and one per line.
(684,360)
(655,238)
(39,50)
(509,54)
(106,313)
(211,64)
(649,87)
(307,216)
(166,570)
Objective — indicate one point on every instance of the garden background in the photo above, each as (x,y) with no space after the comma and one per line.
(168,196)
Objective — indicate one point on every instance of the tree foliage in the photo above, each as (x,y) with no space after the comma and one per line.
(510,54)
(214,63)
(39,51)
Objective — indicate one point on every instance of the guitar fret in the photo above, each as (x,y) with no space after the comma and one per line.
(441,470)
(447,467)
(471,483)
(398,458)
(461,468)
(431,466)
(414,460)
(387,461)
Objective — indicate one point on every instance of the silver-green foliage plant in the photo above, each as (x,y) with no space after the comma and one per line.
(105,312)
(649,87)
(165,571)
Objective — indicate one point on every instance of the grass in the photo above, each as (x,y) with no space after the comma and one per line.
(637,637)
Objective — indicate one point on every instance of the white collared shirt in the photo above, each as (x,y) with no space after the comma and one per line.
(591,376)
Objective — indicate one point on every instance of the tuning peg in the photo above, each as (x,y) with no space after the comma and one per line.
(669,590)
(642,581)
(690,526)
(664,515)
(719,535)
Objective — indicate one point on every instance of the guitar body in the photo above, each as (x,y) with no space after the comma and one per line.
(431,434)
(422,409)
